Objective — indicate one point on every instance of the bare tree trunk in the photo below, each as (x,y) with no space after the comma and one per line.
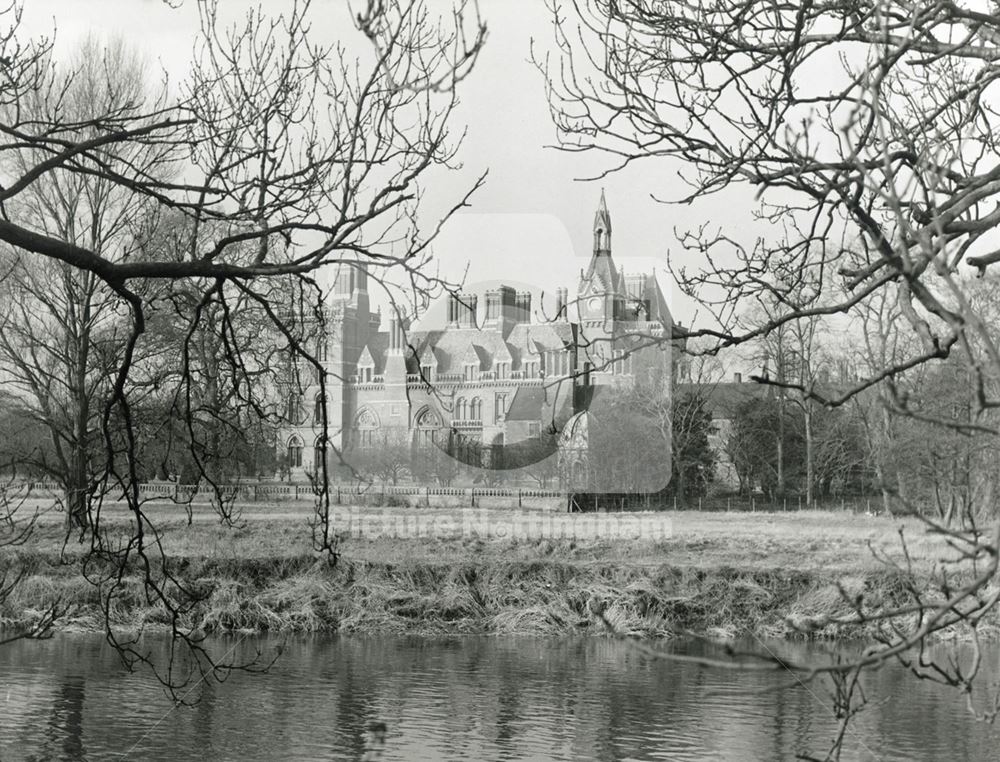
(807,420)
(781,444)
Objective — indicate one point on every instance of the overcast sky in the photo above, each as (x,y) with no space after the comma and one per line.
(532,221)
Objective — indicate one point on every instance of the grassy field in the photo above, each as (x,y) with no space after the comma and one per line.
(807,540)
(716,572)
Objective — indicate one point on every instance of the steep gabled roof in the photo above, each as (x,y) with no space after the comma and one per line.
(427,355)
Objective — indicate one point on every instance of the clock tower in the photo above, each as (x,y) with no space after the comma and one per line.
(600,296)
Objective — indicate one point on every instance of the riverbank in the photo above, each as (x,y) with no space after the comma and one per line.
(716,574)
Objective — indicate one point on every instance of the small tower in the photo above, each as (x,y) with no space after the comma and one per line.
(351,324)
(602,228)
(598,292)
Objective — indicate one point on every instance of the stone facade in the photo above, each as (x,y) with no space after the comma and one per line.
(494,375)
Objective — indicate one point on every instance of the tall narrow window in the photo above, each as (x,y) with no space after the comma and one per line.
(294,453)
(476,409)
(318,410)
(319,454)
(294,411)
(500,407)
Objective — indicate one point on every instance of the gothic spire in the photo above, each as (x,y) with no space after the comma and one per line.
(602,226)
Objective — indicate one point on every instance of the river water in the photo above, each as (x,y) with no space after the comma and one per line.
(462,699)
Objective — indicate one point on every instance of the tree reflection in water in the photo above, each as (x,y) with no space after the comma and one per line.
(457,698)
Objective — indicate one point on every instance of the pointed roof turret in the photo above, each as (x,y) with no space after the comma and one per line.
(367,359)
(602,226)
(602,275)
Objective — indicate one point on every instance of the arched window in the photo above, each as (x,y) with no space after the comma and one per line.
(365,427)
(427,424)
(321,349)
(318,410)
(294,452)
(476,410)
(461,409)
(294,409)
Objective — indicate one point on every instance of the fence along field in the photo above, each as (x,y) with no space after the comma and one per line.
(416,496)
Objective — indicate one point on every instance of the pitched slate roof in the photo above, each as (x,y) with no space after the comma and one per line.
(454,347)
(528,341)
(527,404)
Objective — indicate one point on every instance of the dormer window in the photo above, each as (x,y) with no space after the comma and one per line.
(427,372)
(502,369)
(470,372)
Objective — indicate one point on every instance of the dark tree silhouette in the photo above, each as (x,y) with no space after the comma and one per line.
(862,138)
(277,156)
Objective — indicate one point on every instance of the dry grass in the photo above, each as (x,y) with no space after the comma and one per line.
(723,574)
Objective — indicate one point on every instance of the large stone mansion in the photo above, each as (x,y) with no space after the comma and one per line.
(498,372)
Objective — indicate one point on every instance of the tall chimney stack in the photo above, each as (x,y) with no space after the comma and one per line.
(561,295)
(523,307)
(467,305)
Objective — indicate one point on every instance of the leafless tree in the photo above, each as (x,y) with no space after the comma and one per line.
(386,460)
(276,156)
(64,328)
(794,352)
(871,120)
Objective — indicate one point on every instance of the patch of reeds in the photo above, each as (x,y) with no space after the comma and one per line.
(547,595)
